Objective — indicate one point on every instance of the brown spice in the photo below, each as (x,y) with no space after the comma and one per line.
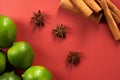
(79,4)
(113,8)
(38,19)
(110,20)
(68,5)
(60,31)
(93,5)
(73,58)
(116,18)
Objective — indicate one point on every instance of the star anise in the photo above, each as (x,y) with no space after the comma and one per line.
(60,31)
(73,58)
(39,19)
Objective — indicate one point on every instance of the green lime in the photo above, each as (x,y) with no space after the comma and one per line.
(7,31)
(2,61)
(10,76)
(37,73)
(20,55)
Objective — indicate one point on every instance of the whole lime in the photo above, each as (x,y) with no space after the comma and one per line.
(7,31)
(2,61)
(37,73)
(10,76)
(20,55)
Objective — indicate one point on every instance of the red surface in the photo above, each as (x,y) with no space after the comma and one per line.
(95,41)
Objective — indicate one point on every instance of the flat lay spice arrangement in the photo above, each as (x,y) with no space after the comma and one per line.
(20,54)
(94,10)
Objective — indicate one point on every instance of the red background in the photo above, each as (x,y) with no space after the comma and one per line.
(101,52)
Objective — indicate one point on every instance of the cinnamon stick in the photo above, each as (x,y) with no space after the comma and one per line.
(66,4)
(113,8)
(93,5)
(111,22)
(116,18)
(96,17)
(82,7)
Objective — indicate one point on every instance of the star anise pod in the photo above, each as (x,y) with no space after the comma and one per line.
(60,30)
(38,18)
(73,58)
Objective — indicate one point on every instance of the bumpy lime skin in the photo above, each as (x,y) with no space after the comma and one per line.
(7,31)
(2,61)
(37,73)
(10,76)
(20,55)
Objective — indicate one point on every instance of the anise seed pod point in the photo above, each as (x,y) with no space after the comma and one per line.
(60,31)
(38,19)
(73,58)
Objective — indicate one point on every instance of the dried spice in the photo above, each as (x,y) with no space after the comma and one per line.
(73,58)
(60,31)
(39,19)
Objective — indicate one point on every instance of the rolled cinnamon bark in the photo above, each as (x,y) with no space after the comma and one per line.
(96,17)
(111,22)
(116,18)
(93,5)
(113,8)
(82,7)
(66,4)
